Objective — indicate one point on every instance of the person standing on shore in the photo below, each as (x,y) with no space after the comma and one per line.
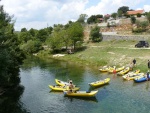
(148,77)
(134,62)
(131,66)
(148,64)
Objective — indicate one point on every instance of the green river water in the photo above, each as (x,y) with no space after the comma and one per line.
(118,96)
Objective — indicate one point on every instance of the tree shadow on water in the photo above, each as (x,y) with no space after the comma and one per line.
(89,99)
(10,101)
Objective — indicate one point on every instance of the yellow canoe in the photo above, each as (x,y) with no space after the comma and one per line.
(81,93)
(100,82)
(106,69)
(62,88)
(61,83)
(117,69)
(131,74)
(124,71)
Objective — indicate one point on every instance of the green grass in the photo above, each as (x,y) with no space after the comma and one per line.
(119,53)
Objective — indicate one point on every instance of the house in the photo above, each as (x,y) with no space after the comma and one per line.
(135,12)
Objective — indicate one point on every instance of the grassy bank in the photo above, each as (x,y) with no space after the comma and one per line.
(110,53)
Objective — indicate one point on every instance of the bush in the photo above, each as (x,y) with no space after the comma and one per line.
(133,19)
(95,34)
(138,15)
(138,30)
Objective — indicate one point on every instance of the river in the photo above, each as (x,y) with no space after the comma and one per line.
(118,96)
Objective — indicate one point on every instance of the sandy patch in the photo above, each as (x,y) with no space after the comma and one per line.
(111,53)
(58,55)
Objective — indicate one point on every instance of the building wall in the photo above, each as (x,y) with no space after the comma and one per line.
(125,37)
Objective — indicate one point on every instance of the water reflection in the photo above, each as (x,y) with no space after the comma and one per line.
(10,101)
(97,87)
(89,99)
(147,85)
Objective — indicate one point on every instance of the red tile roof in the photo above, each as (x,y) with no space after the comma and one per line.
(135,12)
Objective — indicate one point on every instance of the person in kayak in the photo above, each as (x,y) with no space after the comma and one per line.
(71,86)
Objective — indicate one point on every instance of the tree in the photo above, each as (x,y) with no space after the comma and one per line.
(64,34)
(95,34)
(82,18)
(124,9)
(99,16)
(32,46)
(24,37)
(114,15)
(54,41)
(120,13)
(23,30)
(133,19)
(148,16)
(10,55)
(138,15)
(32,32)
(75,33)
(42,35)
(92,19)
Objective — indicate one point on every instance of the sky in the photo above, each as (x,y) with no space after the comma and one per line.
(39,14)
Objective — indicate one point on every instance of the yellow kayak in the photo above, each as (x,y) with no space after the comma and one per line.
(124,71)
(117,69)
(100,82)
(81,93)
(106,69)
(62,88)
(61,83)
(133,76)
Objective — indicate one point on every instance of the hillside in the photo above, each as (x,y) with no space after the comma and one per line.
(124,27)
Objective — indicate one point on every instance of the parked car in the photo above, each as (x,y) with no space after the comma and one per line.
(142,44)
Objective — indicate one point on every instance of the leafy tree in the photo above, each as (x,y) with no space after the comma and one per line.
(32,32)
(92,19)
(123,9)
(138,15)
(75,33)
(120,13)
(99,16)
(95,34)
(31,46)
(23,30)
(114,15)
(82,18)
(133,19)
(49,30)
(64,34)
(24,37)
(58,27)
(54,41)
(42,35)
(10,55)
(148,16)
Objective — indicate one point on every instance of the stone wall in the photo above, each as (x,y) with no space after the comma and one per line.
(125,37)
